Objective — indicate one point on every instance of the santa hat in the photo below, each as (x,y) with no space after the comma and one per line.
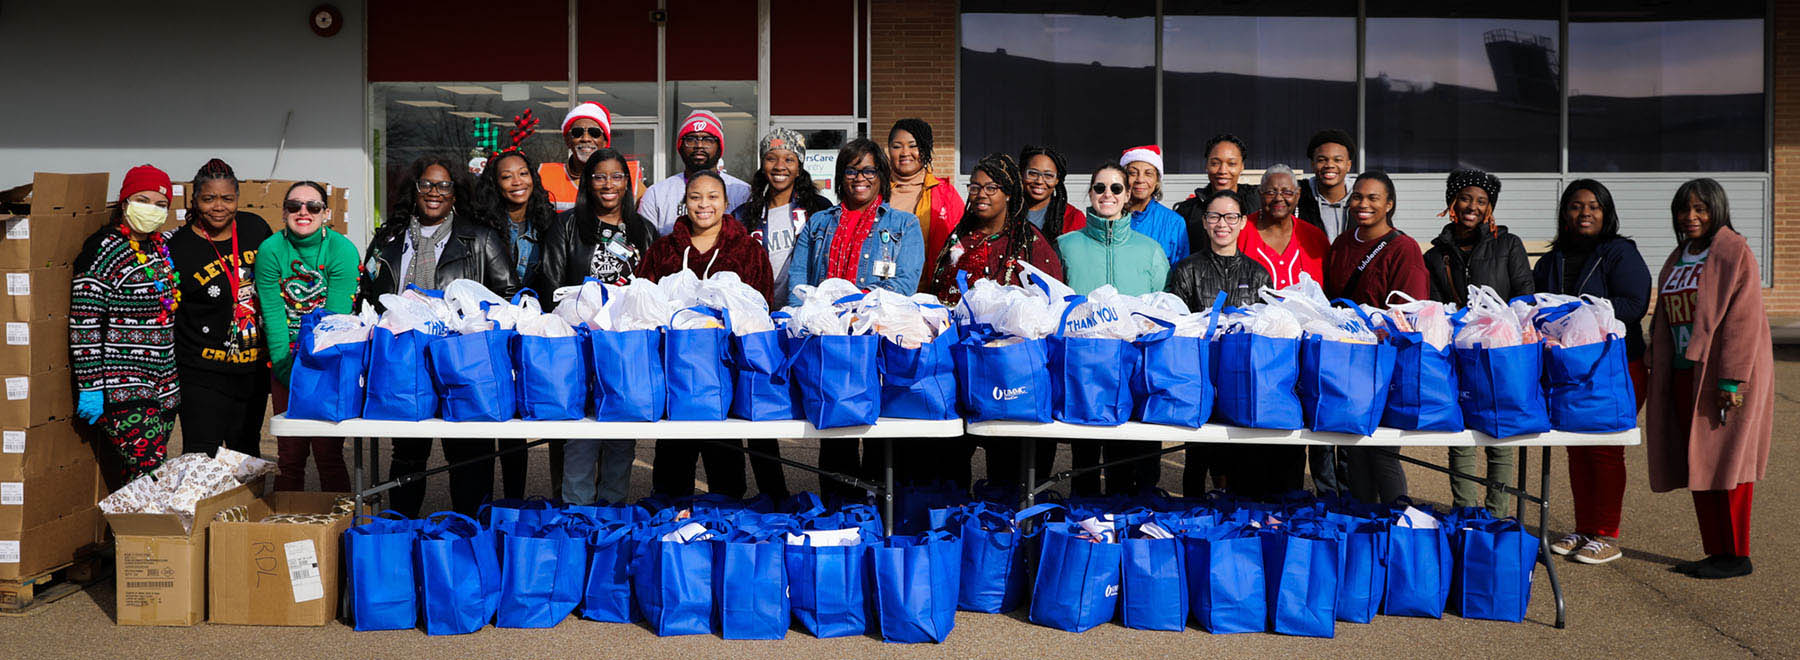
(144,178)
(703,121)
(1148,153)
(590,110)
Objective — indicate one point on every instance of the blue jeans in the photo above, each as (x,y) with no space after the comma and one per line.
(610,458)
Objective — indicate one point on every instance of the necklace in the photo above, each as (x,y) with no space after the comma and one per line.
(167,291)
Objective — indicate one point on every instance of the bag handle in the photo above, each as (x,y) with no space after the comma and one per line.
(1072,301)
(520,296)
(1388,300)
(1367,322)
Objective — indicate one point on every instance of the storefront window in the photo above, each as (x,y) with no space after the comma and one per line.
(1463,84)
(735,104)
(1673,88)
(1077,76)
(1270,72)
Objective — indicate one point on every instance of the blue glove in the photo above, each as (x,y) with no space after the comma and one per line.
(90,405)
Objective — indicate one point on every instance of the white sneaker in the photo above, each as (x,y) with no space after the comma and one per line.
(1569,544)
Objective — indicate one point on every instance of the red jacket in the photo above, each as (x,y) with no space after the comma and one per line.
(1073,220)
(1399,267)
(734,251)
(1306,250)
(939,209)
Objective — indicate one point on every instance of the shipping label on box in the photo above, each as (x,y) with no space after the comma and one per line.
(36,294)
(44,547)
(27,401)
(45,240)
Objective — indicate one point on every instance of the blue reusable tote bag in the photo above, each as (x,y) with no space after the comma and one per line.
(919,383)
(750,576)
(1423,394)
(1344,385)
(459,575)
(756,360)
(1419,569)
(627,375)
(673,580)
(543,573)
(400,387)
(1002,382)
(607,593)
(553,376)
(1363,581)
(1301,561)
(1077,585)
(839,379)
(1090,378)
(1255,377)
(475,376)
(993,568)
(916,582)
(1589,387)
(1494,564)
(1226,579)
(1501,389)
(828,586)
(1153,581)
(1173,384)
(380,559)
(326,385)
(696,366)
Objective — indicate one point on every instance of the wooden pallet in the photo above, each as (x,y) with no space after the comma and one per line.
(22,596)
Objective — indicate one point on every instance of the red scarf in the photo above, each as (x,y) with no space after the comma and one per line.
(847,242)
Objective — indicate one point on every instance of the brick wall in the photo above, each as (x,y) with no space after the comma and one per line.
(913,72)
(1784,298)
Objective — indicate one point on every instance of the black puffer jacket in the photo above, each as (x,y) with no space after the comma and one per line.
(568,250)
(1200,277)
(1497,259)
(474,252)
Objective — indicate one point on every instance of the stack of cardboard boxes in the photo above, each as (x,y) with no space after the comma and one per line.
(49,480)
(264,199)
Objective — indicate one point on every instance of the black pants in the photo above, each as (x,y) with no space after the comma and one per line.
(928,460)
(770,479)
(1374,474)
(1327,470)
(860,459)
(1198,461)
(1132,478)
(470,485)
(1265,471)
(672,471)
(513,469)
(1006,461)
(222,410)
(1084,453)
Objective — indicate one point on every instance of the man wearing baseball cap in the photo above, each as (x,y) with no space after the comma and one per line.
(586,129)
(701,142)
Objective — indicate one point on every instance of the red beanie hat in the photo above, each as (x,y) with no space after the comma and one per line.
(142,178)
(702,121)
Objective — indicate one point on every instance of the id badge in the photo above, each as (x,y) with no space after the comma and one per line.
(618,250)
(885,269)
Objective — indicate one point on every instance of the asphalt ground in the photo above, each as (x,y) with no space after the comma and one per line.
(1631,607)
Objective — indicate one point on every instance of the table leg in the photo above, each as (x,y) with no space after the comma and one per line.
(1544,535)
(1028,463)
(375,468)
(887,486)
(356,476)
(1523,471)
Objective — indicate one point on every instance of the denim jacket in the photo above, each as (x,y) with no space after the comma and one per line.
(895,237)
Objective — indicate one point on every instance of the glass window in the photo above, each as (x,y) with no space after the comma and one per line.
(1078,76)
(463,120)
(1674,87)
(735,104)
(1270,72)
(1463,84)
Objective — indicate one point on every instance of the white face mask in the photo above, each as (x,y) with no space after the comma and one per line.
(145,218)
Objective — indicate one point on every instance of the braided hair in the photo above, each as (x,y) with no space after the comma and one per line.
(213,170)
(1059,193)
(1005,173)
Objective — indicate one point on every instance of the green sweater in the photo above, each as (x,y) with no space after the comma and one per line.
(1111,252)
(295,276)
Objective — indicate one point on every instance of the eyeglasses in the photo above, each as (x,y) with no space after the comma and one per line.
(442,187)
(1101,189)
(1040,175)
(1232,219)
(977,188)
(294,206)
(615,177)
(864,173)
(698,139)
(591,131)
(1280,192)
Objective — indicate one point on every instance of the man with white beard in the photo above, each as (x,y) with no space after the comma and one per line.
(586,129)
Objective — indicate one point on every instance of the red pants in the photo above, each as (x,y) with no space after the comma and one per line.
(327,455)
(1725,519)
(1597,478)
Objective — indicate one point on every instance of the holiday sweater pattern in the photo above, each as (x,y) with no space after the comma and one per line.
(120,339)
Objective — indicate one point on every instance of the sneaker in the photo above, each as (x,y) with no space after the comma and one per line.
(1569,544)
(1598,550)
(1723,567)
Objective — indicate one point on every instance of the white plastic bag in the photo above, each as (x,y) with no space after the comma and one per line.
(1105,314)
(1016,311)
(1590,321)
(410,313)
(639,305)
(545,325)
(828,291)
(1305,300)
(748,309)
(826,537)
(342,329)
(1429,318)
(897,317)
(578,305)
(680,288)
(1491,322)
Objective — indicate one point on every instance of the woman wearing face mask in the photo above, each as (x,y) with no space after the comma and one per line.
(509,190)
(218,337)
(429,239)
(1474,250)
(1105,250)
(1589,257)
(914,189)
(1368,261)
(1143,179)
(865,242)
(1045,194)
(304,268)
(705,240)
(1712,399)
(782,199)
(603,237)
(122,327)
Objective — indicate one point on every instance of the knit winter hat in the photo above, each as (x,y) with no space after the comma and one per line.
(144,178)
(1148,153)
(703,121)
(1461,179)
(590,110)
(782,138)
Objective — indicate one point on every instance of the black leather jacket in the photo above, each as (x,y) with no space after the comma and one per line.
(568,252)
(1200,277)
(474,252)
(1497,260)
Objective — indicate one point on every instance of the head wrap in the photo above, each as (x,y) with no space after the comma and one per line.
(1461,179)
(782,138)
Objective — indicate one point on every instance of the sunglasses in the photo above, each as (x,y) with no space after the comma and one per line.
(1101,188)
(294,206)
(591,131)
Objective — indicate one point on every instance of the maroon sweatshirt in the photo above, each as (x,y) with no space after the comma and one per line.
(1399,266)
(735,251)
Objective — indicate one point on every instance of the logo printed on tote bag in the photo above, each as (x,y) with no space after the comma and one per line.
(1112,591)
(1009,394)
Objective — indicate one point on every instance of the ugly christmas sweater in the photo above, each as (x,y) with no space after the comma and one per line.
(122,321)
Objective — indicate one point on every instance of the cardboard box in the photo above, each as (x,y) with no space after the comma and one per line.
(46,221)
(276,574)
(36,294)
(35,346)
(24,450)
(37,398)
(47,492)
(161,578)
(50,192)
(52,544)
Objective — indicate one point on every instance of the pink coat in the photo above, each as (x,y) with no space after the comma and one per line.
(1731,340)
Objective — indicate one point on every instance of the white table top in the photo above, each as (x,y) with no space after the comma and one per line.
(730,429)
(1384,437)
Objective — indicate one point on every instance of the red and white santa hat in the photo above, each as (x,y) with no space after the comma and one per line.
(703,121)
(1148,153)
(590,110)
